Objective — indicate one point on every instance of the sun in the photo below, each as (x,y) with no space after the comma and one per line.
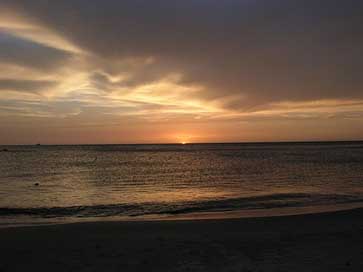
(184,138)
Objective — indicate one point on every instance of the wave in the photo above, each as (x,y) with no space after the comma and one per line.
(281,200)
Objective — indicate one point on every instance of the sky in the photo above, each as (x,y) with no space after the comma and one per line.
(167,71)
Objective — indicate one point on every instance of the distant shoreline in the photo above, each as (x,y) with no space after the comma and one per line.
(197,143)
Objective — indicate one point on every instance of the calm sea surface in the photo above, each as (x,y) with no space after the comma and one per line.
(55,183)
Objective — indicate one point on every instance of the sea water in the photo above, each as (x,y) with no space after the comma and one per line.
(41,184)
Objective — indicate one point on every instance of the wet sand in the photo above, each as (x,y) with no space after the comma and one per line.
(318,242)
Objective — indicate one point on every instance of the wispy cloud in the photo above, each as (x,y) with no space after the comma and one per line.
(190,62)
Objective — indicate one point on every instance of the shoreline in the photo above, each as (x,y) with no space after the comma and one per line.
(330,241)
(197,216)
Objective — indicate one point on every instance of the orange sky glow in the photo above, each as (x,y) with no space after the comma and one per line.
(65,82)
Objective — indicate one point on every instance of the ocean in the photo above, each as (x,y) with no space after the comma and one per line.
(55,184)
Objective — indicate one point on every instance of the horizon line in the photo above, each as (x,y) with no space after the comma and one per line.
(195,143)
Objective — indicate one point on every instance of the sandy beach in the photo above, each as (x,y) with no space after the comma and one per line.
(317,242)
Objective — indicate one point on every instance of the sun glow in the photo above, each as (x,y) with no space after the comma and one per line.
(184,139)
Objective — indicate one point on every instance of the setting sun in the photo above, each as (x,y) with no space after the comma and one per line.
(184,139)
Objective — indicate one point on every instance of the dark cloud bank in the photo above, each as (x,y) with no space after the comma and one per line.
(255,52)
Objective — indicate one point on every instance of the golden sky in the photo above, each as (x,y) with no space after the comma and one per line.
(180,71)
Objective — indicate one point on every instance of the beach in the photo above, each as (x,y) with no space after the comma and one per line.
(330,241)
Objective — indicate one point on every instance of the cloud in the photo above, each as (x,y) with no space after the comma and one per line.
(15,50)
(33,86)
(254,51)
(197,60)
